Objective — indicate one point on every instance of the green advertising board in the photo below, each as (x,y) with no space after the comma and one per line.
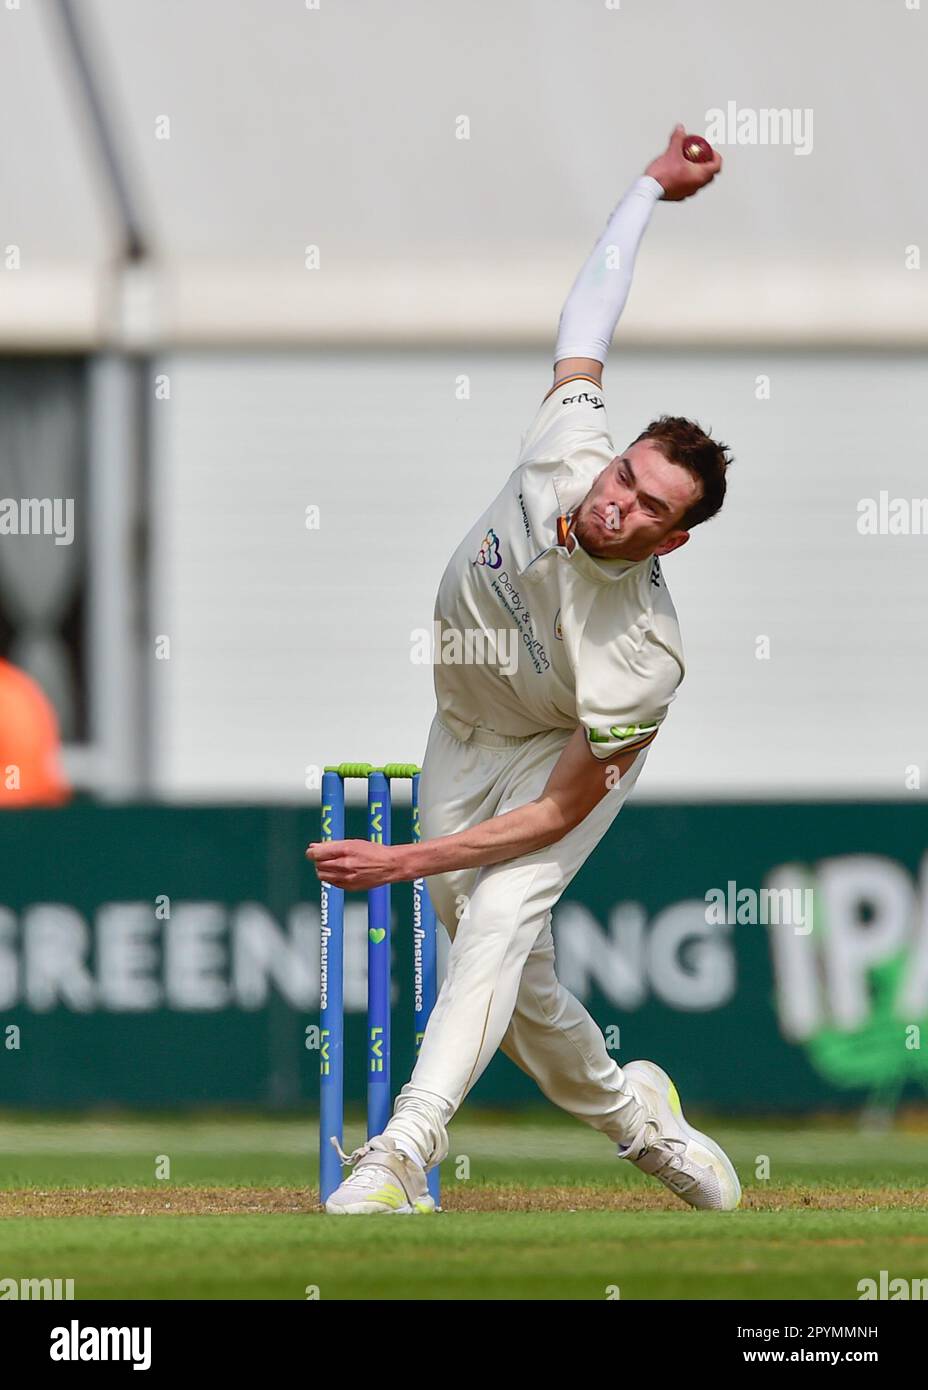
(772,957)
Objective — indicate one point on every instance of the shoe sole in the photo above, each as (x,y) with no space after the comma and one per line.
(660,1083)
(379,1209)
(367,1209)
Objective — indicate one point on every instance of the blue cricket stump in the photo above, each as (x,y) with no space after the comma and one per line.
(331,997)
(378,965)
(425,958)
(425,967)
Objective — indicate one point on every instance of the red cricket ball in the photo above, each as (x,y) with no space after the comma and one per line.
(696,149)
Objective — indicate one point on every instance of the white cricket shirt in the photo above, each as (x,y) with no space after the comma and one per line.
(534,637)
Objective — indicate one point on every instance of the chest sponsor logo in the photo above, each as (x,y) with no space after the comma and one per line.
(514,604)
(489,553)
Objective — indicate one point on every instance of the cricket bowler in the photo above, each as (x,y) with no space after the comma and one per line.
(529,761)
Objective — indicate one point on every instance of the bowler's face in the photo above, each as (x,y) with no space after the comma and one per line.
(635,507)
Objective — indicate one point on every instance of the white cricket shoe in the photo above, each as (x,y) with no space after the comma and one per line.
(690,1164)
(384,1181)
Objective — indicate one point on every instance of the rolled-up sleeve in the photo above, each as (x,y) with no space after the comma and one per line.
(623,709)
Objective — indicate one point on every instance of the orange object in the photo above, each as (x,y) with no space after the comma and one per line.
(30,772)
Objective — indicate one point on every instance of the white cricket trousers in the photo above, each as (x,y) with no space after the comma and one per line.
(500,989)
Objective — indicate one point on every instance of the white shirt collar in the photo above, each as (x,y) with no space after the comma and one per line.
(570,490)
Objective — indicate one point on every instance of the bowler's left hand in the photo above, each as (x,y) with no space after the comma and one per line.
(355,864)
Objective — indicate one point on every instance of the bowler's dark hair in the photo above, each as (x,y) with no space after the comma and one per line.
(684,442)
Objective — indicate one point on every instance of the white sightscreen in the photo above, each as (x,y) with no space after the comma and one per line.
(291,647)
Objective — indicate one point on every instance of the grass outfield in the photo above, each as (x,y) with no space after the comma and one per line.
(546,1212)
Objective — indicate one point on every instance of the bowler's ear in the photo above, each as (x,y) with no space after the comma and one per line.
(671,542)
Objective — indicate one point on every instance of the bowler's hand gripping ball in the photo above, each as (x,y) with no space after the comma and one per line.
(696,149)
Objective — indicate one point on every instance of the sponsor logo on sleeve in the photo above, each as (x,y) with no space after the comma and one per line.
(622,733)
(585,397)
